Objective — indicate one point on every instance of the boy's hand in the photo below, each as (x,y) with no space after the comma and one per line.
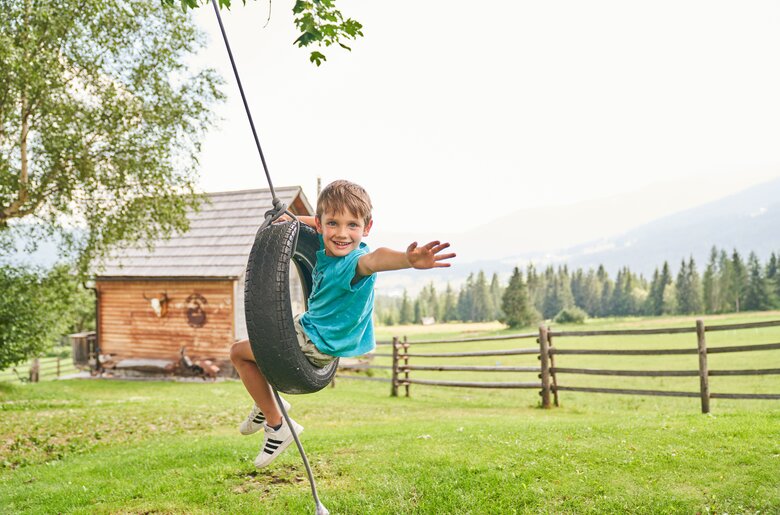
(428,255)
(304,219)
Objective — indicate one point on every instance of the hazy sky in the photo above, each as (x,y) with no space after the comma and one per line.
(455,113)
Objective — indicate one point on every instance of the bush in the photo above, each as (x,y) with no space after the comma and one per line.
(36,308)
(59,351)
(573,315)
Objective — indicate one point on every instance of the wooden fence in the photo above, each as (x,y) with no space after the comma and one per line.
(402,369)
(85,356)
(400,353)
(703,372)
(548,371)
(39,369)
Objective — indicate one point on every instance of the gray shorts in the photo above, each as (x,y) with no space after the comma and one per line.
(312,353)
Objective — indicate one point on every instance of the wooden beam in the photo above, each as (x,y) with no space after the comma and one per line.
(474,384)
(514,352)
(544,357)
(704,385)
(628,392)
(470,368)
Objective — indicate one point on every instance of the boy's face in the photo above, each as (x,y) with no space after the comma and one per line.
(341,232)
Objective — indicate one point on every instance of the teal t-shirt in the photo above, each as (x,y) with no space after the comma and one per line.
(339,320)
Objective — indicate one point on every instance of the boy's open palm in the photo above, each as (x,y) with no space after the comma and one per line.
(428,256)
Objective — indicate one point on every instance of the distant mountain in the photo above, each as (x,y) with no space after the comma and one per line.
(537,230)
(748,221)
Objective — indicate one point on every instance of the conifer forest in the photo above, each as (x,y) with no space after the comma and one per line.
(729,282)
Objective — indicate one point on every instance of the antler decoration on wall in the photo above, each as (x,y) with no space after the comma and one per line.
(159,304)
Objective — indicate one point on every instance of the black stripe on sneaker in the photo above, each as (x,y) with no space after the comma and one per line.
(259,419)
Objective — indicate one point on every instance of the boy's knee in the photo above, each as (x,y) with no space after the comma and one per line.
(239,350)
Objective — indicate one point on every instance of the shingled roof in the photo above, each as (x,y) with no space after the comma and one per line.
(217,244)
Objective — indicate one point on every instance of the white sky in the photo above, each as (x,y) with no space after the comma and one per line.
(455,113)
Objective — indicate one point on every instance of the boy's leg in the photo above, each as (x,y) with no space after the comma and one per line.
(255,382)
(277,435)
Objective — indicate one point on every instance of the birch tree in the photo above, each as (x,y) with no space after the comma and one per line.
(100,121)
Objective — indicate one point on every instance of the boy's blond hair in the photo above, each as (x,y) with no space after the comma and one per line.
(344,196)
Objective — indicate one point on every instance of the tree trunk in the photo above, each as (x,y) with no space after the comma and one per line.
(14,209)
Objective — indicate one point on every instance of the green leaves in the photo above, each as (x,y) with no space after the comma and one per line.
(322,24)
(317,58)
(319,21)
(300,6)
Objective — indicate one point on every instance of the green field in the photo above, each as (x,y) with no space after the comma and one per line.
(106,446)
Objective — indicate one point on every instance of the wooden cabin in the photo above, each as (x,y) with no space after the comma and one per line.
(188,292)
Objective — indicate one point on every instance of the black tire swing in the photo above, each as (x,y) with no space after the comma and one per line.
(267,302)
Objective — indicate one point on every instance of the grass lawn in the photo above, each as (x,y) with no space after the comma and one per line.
(105,446)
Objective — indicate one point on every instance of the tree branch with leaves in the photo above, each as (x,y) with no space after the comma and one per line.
(319,22)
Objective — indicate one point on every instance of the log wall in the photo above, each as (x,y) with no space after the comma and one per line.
(130,328)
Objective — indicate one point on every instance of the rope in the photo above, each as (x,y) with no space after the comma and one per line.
(320,508)
(279,206)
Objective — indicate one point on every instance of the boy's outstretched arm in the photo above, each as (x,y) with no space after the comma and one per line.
(384,259)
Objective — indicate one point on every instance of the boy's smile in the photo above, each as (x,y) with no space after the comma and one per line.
(341,232)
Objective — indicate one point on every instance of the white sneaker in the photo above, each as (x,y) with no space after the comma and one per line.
(254,421)
(276,442)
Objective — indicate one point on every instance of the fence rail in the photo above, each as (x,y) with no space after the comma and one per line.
(468,368)
(482,339)
(511,352)
(624,391)
(467,384)
(650,352)
(548,371)
(750,325)
(663,373)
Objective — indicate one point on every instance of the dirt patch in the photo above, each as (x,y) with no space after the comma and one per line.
(262,481)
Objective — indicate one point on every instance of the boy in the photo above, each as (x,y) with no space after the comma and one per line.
(338,322)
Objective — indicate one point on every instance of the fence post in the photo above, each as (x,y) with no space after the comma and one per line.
(552,368)
(406,364)
(704,383)
(58,367)
(35,370)
(544,357)
(394,385)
